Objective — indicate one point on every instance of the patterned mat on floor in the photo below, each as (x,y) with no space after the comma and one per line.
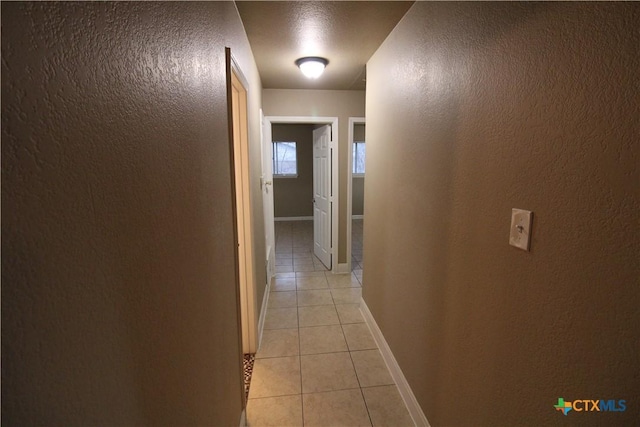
(248,370)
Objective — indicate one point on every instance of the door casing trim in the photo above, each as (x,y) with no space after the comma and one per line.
(352,122)
(243,213)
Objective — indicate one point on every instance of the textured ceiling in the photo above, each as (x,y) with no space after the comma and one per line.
(347,33)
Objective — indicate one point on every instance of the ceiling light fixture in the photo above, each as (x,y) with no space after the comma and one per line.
(312,66)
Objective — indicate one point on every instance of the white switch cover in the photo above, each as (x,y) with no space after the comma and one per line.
(520,233)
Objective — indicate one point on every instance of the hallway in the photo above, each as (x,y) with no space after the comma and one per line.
(318,364)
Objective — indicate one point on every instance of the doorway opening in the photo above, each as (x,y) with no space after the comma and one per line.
(355,195)
(325,194)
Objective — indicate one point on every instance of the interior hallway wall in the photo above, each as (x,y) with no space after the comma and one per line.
(474,109)
(322,103)
(119,301)
(357,198)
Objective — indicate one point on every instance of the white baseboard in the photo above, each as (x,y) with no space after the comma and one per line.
(342,268)
(243,418)
(419,419)
(357,216)
(294,218)
(263,311)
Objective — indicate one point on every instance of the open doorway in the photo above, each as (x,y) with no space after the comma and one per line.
(355,195)
(313,217)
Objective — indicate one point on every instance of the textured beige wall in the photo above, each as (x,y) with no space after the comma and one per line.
(474,109)
(322,103)
(294,196)
(357,196)
(119,304)
(358,132)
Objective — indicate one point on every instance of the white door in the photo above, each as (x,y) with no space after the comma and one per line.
(322,194)
(267,195)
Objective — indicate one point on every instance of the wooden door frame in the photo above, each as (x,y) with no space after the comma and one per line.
(241,199)
(335,195)
(352,122)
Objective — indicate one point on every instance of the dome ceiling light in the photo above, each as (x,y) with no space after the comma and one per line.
(312,66)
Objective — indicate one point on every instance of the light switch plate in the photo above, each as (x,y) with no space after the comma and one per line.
(520,233)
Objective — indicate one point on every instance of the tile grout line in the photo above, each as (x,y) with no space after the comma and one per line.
(300,355)
(357,377)
(361,391)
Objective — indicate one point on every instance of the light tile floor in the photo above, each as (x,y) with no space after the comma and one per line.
(318,364)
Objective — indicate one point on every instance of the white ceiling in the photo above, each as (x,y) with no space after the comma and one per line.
(347,33)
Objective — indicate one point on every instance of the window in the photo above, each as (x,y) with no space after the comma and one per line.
(358,158)
(285,159)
